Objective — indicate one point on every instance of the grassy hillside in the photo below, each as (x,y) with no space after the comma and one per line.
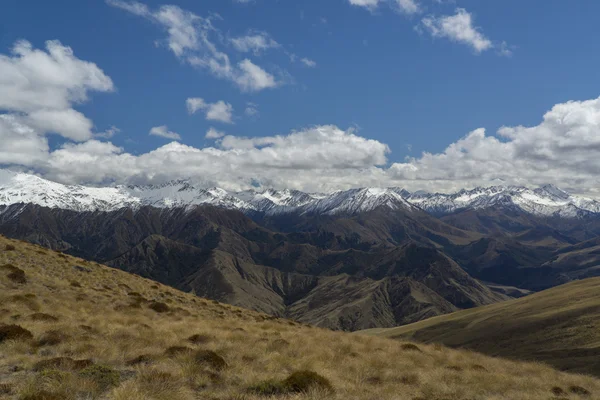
(72,329)
(559,326)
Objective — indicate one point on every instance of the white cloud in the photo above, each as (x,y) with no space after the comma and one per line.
(38,89)
(459,28)
(255,42)
(191,38)
(194,104)
(219,111)
(212,133)
(253,78)
(163,131)
(21,145)
(365,3)
(109,133)
(251,109)
(308,62)
(404,6)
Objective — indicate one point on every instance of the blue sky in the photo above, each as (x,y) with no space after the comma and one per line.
(396,77)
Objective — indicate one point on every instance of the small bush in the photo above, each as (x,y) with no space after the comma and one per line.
(51,338)
(27,300)
(477,367)
(75,284)
(199,339)
(298,382)
(558,391)
(302,381)
(159,307)
(9,247)
(210,358)
(42,317)
(14,332)
(410,347)
(105,377)
(17,276)
(578,390)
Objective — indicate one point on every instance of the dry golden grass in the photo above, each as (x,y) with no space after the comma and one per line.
(558,326)
(100,333)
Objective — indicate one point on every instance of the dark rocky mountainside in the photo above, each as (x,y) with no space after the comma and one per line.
(374,269)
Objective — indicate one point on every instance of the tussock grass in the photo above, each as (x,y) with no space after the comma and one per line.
(104,339)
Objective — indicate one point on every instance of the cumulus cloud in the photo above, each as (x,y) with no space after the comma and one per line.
(563,149)
(212,133)
(163,131)
(38,89)
(404,6)
(458,28)
(219,111)
(194,39)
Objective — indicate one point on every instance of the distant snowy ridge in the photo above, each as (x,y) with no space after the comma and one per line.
(547,200)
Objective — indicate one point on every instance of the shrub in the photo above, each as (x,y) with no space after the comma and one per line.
(298,382)
(51,338)
(210,358)
(558,391)
(159,307)
(410,347)
(105,377)
(578,390)
(14,332)
(9,247)
(17,276)
(302,381)
(199,339)
(43,317)
(26,299)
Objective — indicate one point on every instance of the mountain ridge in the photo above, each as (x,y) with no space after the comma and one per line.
(547,200)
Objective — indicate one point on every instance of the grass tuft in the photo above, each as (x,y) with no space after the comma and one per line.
(14,332)
(298,382)
(159,307)
(105,377)
(211,359)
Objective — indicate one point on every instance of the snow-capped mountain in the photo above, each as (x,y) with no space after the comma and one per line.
(273,201)
(547,200)
(358,200)
(18,188)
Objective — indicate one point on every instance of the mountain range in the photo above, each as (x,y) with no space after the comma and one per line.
(548,200)
(350,260)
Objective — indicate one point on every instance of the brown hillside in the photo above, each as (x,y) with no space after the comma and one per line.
(559,326)
(71,329)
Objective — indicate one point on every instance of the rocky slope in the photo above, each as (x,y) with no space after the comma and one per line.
(397,273)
